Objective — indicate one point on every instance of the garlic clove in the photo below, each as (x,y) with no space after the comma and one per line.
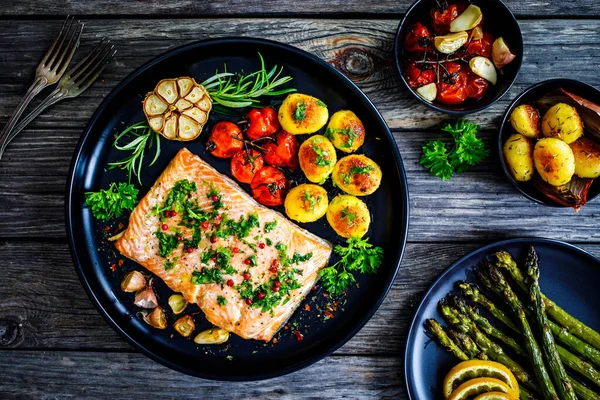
(178,303)
(146,298)
(428,92)
(185,326)
(183,104)
(167,89)
(133,282)
(153,105)
(468,20)
(212,336)
(197,114)
(451,42)
(501,54)
(156,123)
(170,129)
(188,128)
(195,95)
(483,67)
(185,85)
(476,33)
(156,318)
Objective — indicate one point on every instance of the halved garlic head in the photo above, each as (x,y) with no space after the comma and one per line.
(451,42)
(212,336)
(483,67)
(185,326)
(428,92)
(178,108)
(177,303)
(501,54)
(468,20)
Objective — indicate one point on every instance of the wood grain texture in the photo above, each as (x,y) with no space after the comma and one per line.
(239,8)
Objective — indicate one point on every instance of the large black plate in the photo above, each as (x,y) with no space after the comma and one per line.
(92,255)
(569,276)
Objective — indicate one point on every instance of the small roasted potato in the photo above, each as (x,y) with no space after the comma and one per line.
(346,131)
(348,216)
(306,203)
(554,161)
(518,153)
(526,120)
(301,113)
(357,175)
(562,121)
(317,158)
(587,157)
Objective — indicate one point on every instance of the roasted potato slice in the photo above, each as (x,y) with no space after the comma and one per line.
(562,121)
(518,153)
(526,120)
(587,157)
(554,161)
(306,203)
(317,158)
(346,131)
(348,216)
(301,113)
(357,175)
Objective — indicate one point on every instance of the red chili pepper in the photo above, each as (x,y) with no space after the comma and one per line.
(263,122)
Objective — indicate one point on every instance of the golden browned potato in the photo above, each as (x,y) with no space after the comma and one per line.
(518,154)
(526,120)
(348,216)
(301,113)
(357,175)
(554,161)
(562,121)
(306,203)
(317,158)
(346,131)
(587,157)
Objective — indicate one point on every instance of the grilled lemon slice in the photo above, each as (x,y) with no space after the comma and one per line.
(468,370)
(476,386)
(494,396)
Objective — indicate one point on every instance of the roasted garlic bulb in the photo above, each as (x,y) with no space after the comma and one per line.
(178,108)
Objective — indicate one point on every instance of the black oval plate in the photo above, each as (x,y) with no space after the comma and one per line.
(568,276)
(238,359)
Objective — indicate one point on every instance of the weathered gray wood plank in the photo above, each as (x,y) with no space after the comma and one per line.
(87,375)
(189,8)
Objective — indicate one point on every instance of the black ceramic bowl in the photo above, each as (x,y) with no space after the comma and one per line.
(530,96)
(497,20)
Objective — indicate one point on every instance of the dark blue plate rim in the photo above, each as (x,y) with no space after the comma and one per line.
(414,325)
(72,178)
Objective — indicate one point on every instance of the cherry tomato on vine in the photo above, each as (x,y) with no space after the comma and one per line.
(245,164)
(481,47)
(225,140)
(476,86)
(263,122)
(441,19)
(282,153)
(452,88)
(269,186)
(418,38)
(418,74)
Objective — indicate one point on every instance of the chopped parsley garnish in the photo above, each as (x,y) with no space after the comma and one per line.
(221,300)
(269,241)
(269,226)
(360,256)
(300,112)
(253,260)
(194,242)
(176,197)
(283,257)
(170,264)
(349,216)
(207,275)
(298,258)
(110,203)
(245,289)
(360,170)
(192,215)
(307,197)
(349,132)
(241,229)
(345,177)
(319,102)
(167,243)
(213,193)
(322,155)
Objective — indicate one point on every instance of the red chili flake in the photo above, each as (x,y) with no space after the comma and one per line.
(246,276)
(230,283)
(236,250)
(261,245)
(307,307)
(113,267)
(273,269)
(247,261)
(299,336)
(213,239)
(261,295)
(276,262)
(189,249)
(173,213)
(121,262)
(314,288)
(249,301)
(325,294)
(275,341)
(179,238)
(107,228)
(167,214)
(121,225)
(165,227)
(276,284)
(215,199)
(328,314)
(205,225)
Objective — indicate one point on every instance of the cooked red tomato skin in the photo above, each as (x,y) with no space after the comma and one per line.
(418,38)
(263,122)
(282,153)
(452,88)
(269,186)
(441,19)
(225,140)
(245,164)
(480,47)
(418,75)
(476,86)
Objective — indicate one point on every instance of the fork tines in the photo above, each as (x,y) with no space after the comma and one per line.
(88,69)
(62,49)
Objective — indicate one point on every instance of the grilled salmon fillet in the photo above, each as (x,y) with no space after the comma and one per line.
(246,266)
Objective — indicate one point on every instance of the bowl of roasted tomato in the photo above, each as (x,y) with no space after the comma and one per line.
(549,143)
(458,57)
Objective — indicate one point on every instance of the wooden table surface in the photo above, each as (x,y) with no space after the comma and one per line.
(53,342)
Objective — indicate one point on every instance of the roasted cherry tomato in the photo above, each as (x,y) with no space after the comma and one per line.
(441,19)
(418,38)
(476,86)
(418,74)
(225,140)
(283,153)
(245,163)
(481,47)
(263,122)
(269,186)
(452,88)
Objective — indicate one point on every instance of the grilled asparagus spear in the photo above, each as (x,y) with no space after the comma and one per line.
(436,329)
(466,344)
(473,293)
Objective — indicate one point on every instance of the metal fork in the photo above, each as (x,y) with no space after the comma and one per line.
(49,71)
(76,81)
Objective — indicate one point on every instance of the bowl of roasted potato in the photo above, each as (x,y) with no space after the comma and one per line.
(549,143)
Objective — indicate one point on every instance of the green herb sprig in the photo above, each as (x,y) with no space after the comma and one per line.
(468,151)
(112,202)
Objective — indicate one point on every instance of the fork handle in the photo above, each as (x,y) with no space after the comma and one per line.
(38,85)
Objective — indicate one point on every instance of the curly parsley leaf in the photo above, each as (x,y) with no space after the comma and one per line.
(112,202)
(468,151)
(300,112)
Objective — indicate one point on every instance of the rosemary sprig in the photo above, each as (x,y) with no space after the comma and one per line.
(238,91)
(142,136)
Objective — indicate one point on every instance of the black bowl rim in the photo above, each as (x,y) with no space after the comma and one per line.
(438,107)
(483,249)
(505,120)
(71,234)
